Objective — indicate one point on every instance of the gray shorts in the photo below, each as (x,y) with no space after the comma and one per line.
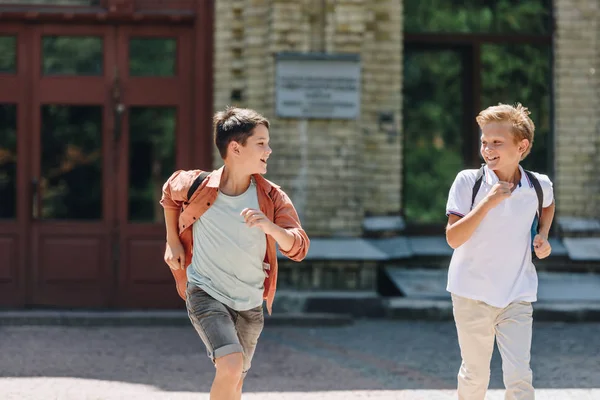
(224,330)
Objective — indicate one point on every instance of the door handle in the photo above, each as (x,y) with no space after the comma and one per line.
(34,198)
(119,107)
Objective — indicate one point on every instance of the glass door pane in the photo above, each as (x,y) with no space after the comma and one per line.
(152,57)
(71,162)
(8,54)
(8,161)
(72,55)
(151,160)
(433,131)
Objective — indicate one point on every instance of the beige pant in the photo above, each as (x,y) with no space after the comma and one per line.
(477,324)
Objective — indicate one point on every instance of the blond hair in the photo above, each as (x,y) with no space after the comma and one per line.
(517,116)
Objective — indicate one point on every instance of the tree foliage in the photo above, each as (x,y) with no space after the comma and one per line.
(477,16)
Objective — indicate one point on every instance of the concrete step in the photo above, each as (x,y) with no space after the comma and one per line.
(441,310)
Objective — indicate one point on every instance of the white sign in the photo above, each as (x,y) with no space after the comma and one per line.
(318,86)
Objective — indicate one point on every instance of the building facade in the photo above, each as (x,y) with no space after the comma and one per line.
(100,100)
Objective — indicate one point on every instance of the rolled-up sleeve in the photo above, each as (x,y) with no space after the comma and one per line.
(175,189)
(287,218)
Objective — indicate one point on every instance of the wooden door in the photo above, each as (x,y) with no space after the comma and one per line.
(14,152)
(155,70)
(72,166)
(93,120)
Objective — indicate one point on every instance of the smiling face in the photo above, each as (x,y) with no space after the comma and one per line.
(253,155)
(499,149)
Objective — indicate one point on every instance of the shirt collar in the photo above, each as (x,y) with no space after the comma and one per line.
(214,180)
(490,177)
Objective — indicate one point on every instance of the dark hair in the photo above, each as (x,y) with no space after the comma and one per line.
(235,124)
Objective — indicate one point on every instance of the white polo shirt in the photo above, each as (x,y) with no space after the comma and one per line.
(494,265)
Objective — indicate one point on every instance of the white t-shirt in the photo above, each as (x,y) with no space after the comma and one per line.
(495,265)
(228,255)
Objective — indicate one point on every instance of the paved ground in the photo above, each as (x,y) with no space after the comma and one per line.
(368,360)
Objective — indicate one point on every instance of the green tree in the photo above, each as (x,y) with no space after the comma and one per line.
(477,16)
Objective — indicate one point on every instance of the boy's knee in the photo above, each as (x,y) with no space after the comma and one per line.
(518,377)
(240,384)
(475,374)
(230,367)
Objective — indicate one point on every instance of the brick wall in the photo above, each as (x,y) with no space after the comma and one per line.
(335,171)
(577,105)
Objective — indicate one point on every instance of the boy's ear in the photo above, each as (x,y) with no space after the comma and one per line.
(523,145)
(234,148)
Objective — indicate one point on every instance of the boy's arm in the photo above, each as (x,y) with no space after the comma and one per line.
(546,220)
(541,246)
(285,229)
(459,230)
(295,243)
(172,224)
(174,193)
(283,237)
(174,252)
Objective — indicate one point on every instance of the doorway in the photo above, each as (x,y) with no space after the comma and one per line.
(94,119)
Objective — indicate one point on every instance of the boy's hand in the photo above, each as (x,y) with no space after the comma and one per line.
(499,192)
(541,246)
(254,217)
(175,255)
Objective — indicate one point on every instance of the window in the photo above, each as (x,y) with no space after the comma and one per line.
(459,60)
(8,54)
(152,57)
(72,55)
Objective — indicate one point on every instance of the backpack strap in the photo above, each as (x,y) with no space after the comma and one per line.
(477,184)
(196,184)
(538,191)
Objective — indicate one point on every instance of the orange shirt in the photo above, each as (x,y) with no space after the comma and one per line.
(273,202)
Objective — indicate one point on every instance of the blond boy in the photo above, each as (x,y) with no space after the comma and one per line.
(491,277)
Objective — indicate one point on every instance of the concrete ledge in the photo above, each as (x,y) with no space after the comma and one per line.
(407,247)
(566,312)
(419,309)
(152,318)
(573,226)
(441,310)
(343,249)
(357,304)
(583,249)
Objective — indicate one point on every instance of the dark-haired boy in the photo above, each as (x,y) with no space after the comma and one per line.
(221,244)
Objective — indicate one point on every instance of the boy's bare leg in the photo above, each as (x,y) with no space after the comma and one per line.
(228,377)
(239,388)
